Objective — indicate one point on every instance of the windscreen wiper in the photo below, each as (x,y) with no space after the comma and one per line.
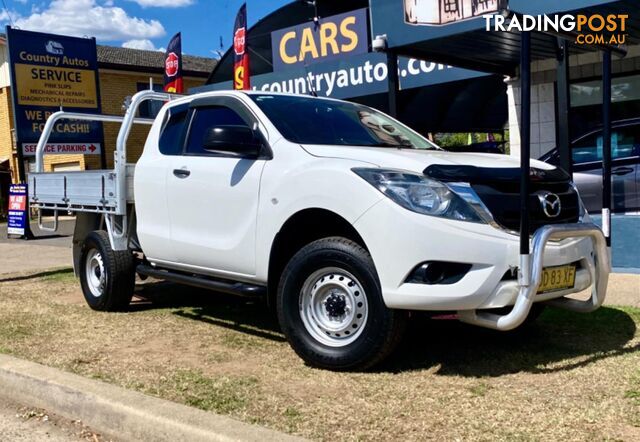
(391,145)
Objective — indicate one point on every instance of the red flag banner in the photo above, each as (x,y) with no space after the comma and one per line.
(173,66)
(241,74)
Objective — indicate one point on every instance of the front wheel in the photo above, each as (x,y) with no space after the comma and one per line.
(107,276)
(331,310)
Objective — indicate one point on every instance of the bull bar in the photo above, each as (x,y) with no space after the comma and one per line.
(530,276)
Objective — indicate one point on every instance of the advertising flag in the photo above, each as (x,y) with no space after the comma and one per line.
(241,74)
(173,66)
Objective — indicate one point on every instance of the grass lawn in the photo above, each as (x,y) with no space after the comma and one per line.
(570,377)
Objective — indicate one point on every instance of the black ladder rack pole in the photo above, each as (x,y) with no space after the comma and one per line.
(606,146)
(564,107)
(394,82)
(525,139)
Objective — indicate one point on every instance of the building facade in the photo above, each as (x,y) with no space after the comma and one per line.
(585,98)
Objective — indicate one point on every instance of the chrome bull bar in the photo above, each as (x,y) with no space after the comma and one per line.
(530,276)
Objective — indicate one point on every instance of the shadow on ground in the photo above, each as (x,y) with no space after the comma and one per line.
(245,315)
(64,272)
(558,341)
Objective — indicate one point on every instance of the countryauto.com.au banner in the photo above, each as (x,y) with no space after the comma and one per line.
(326,83)
(359,75)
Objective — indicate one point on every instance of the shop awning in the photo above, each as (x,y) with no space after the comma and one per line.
(467,43)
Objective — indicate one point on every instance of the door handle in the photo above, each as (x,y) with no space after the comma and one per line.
(181,173)
(620,171)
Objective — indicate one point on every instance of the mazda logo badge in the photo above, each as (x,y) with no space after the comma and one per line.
(550,202)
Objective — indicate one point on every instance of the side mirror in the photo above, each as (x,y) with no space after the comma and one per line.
(231,139)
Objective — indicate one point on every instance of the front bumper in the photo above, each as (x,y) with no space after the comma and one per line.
(410,239)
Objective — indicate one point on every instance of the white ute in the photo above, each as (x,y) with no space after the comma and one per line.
(342,217)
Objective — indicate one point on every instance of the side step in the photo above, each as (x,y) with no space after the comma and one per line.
(229,287)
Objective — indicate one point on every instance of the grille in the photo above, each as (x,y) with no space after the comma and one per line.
(499,189)
(503,201)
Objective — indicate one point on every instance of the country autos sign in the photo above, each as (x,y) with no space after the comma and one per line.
(50,72)
(324,39)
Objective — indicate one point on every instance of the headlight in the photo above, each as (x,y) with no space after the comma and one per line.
(420,194)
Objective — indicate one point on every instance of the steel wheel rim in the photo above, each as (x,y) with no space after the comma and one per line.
(95,274)
(333,307)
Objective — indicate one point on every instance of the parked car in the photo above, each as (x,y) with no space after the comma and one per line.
(495,147)
(586,152)
(340,216)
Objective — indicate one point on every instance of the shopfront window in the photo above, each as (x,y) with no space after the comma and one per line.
(586,103)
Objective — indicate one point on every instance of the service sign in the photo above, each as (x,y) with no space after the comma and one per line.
(48,72)
(331,38)
(17,209)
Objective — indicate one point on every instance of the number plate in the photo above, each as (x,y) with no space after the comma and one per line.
(557,278)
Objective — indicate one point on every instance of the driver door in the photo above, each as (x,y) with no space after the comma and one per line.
(213,197)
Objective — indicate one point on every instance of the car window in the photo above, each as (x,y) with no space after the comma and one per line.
(172,137)
(308,120)
(203,120)
(586,150)
(625,143)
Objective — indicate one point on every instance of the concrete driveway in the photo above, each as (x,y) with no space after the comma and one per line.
(46,252)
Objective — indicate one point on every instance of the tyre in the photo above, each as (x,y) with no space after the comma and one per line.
(331,310)
(107,277)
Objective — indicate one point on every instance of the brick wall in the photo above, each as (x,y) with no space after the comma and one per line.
(6,124)
(115,87)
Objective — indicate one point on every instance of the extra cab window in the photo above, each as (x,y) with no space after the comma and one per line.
(206,118)
(172,137)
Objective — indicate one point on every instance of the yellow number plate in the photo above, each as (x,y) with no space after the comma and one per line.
(557,278)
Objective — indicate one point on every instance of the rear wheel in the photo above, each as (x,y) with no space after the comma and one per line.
(330,307)
(107,276)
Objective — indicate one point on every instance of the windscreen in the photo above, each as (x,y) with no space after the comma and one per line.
(307,120)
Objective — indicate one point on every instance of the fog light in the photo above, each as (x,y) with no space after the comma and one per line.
(438,272)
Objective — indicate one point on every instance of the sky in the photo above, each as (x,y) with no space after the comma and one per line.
(142,24)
